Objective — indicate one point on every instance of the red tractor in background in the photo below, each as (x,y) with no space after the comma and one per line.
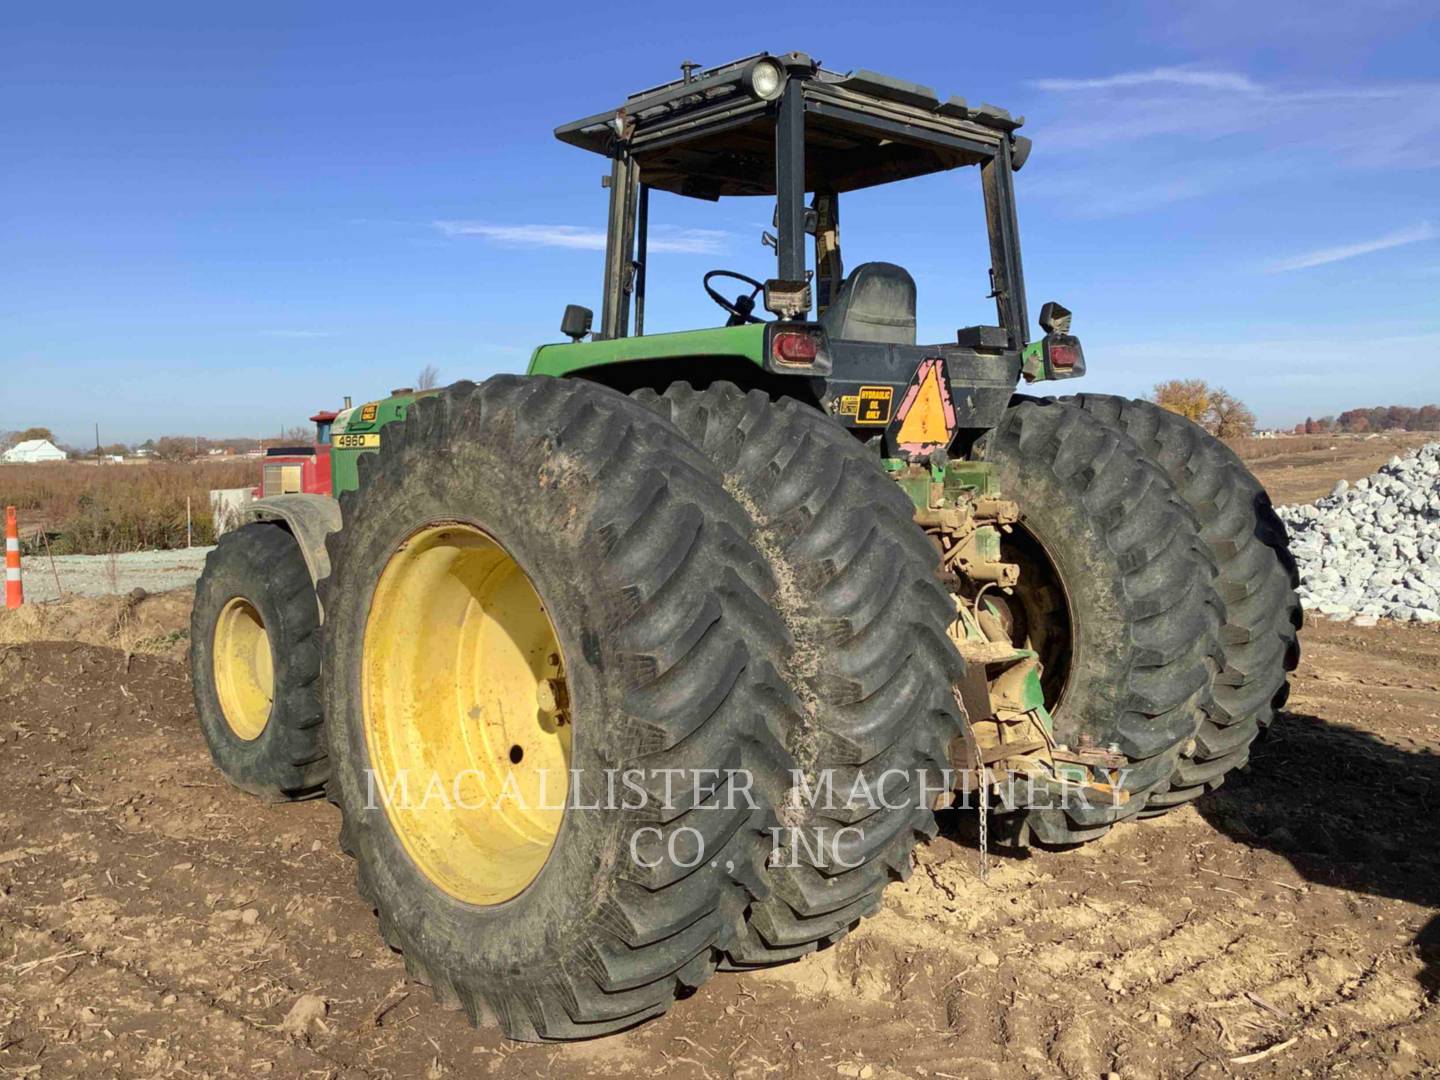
(299,470)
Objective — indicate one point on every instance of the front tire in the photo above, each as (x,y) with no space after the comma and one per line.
(255,664)
(551,538)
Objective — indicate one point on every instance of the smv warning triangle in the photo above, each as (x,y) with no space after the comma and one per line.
(925,420)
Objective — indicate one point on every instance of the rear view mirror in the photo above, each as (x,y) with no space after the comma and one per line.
(575,324)
(812,219)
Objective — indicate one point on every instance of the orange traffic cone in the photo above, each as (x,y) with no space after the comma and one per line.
(14,590)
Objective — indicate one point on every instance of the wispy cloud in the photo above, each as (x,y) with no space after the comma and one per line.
(1183,128)
(1161,76)
(662,239)
(1361,124)
(561,236)
(300,333)
(688,241)
(1398,238)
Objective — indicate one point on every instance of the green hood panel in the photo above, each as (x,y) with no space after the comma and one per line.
(742,341)
(358,431)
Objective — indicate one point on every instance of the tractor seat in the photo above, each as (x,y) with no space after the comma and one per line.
(876,302)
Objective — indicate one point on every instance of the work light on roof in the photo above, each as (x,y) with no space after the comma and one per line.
(765,80)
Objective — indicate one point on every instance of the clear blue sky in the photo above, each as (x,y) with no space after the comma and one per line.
(217,218)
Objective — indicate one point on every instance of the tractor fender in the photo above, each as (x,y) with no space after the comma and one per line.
(310,518)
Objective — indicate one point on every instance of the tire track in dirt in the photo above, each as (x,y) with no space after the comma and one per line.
(128,998)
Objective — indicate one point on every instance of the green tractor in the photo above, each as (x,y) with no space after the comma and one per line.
(662,656)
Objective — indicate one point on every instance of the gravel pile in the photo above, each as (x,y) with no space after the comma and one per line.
(1371,550)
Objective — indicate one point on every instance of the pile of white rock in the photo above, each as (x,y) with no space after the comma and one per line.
(1371,550)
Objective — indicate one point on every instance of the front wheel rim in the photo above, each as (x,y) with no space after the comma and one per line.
(244,668)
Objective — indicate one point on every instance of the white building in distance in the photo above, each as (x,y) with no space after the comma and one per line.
(32,450)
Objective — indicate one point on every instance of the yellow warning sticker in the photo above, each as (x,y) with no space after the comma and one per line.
(367,412)
(874,404)
(848,405)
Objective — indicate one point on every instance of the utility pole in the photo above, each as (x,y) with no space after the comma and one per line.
(97,440)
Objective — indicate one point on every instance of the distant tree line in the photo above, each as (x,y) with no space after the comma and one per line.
(1379,418)
(167,448)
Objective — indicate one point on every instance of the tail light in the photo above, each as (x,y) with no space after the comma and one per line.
(1055,356)
(795,348)
(1063,353)
(1058,354)
(1064,358)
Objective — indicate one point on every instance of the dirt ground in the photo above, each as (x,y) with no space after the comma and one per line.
(137,622)
(155,922)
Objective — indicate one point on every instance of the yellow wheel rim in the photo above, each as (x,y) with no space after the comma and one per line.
(244,668)
(466,713)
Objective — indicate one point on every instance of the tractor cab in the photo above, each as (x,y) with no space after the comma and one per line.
(782,127)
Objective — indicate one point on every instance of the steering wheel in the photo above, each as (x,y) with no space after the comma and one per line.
(742,306)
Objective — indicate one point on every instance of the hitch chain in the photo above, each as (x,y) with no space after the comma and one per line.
(982,790)
(983,808)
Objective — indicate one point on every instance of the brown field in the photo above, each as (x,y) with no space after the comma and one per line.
(98,509)
(155,922)
(1302,468)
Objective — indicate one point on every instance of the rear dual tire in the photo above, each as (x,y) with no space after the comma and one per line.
(1132,580)
(1256,580)
(753,599)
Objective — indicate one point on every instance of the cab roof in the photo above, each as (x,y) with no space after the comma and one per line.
(706,135)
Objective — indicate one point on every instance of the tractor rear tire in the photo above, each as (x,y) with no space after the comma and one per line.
(1257,580)
(255,664)
(871,667)
(1136,587)
(551,536)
